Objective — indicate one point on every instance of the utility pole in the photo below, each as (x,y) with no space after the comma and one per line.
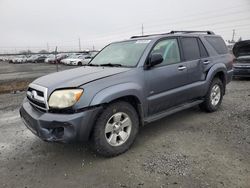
(142,30)
(233,35)
(48,47)
(56,59)
(79,43)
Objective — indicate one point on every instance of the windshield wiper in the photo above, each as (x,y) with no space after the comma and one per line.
(112,65)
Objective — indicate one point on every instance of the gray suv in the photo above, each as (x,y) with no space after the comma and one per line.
(127,85)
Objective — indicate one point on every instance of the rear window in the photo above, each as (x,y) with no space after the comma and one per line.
(203,51)
(218,44)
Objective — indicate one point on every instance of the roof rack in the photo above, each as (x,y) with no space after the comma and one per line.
(133,37)
(206,32)
(173,32)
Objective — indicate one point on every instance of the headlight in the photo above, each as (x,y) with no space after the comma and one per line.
(64,98)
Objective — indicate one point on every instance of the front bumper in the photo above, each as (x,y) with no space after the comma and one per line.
(59,127)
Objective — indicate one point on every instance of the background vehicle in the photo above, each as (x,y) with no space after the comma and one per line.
(53,59)
(39,59)
(75,59)
(81,60)
(241,64)
(32,58)
(19,59)
(126,85)
(50,58)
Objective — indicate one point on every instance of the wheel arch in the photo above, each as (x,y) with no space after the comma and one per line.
(217,71)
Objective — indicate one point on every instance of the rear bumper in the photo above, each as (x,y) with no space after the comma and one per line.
(59,127)
(229,76)
(241,72)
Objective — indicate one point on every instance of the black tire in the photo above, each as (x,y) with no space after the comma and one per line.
(207,104)
(100,143)
(79,63)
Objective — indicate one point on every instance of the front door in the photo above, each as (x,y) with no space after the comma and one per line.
(165,81)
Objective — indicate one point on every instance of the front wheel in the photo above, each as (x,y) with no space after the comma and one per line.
(214,96)
(115,129)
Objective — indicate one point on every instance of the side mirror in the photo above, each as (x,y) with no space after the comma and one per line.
(155,59)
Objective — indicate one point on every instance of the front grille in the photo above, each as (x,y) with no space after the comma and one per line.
(37,96)
(36,102)
(39,93)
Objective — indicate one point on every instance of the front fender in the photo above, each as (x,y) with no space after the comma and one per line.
(117,91)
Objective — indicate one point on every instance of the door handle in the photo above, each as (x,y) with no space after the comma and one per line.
(206,62)
(181,68)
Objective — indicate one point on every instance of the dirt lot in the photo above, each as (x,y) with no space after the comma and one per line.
(27,70)
(188,149)
(18,76)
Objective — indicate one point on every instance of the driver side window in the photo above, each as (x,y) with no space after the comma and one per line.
(169,50)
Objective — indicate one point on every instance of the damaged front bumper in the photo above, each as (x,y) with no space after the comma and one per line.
(59,127)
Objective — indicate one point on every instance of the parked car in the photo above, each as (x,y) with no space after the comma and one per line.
(19,59)
(32,58)
(55,58)
(81,60)
(50,58)
(76,60)
(40,59)
(128,84)
(241,66)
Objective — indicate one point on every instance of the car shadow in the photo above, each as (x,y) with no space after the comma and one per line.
(84,150)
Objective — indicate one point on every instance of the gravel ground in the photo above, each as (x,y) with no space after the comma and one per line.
(188,149)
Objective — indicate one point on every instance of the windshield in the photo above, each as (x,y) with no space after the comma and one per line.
(123,53)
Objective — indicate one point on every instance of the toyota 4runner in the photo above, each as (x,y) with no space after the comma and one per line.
(127,85)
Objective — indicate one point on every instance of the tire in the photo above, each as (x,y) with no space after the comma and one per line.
(210,105)
(104,140)
(79,63)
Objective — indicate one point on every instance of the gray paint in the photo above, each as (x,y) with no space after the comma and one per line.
(157,89)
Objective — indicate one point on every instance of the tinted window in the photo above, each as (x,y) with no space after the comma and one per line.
(218,44)
(203,51)
(169,50)
(191,49)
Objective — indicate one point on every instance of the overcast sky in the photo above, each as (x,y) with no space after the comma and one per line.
(42,24)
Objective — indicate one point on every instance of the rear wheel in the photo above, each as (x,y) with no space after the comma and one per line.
(115,129)
(214,96)
(79,63)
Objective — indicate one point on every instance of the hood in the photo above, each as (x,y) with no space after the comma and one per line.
(77,77)
(241,48)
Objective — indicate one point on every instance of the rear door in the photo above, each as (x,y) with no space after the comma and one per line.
(195,55)
(196,58)
(165,80)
